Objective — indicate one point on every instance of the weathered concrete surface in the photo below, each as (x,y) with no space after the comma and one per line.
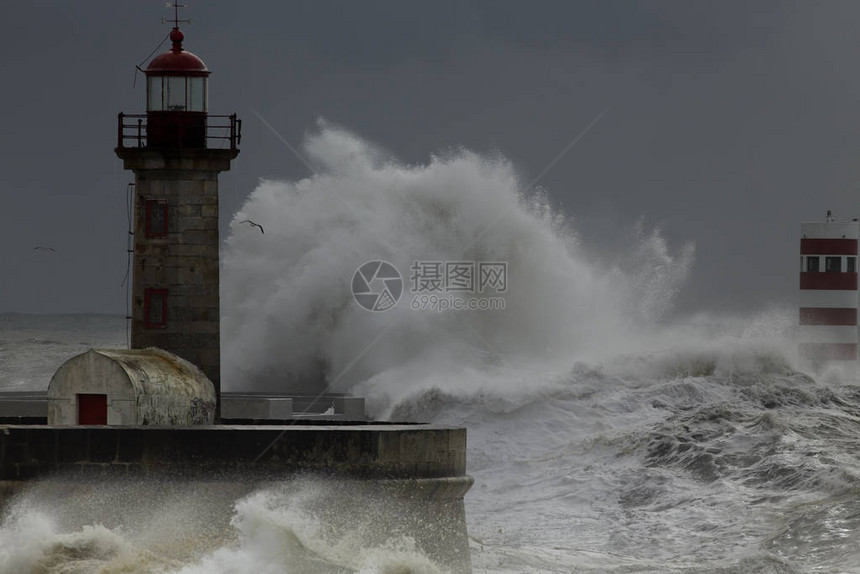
(256,408)
(267,406)
(405,480)
(142,387)
(23,404)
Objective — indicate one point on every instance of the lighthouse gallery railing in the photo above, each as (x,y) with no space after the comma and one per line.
(221,132)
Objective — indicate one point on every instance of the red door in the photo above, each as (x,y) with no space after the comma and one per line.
(92,409)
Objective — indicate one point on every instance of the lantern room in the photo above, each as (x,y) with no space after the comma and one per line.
(176,98)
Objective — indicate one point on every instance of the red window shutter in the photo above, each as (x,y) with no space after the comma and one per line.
(155,308)
(155,220)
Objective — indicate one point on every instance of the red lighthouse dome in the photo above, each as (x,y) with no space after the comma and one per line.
(177,61)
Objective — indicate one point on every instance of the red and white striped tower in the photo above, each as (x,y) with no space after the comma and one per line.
(828,292)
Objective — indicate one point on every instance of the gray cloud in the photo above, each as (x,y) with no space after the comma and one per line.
(729,123)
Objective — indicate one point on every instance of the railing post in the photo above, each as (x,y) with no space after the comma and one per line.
(233,131)
(139,132)
(119,139)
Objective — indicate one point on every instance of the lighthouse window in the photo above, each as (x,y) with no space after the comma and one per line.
(155,308)
(197,94)
(812,264)
(833,264)
(153,95)
(852,264)
(176,93)
(156,218)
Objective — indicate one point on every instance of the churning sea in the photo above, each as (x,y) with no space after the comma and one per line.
(719,458)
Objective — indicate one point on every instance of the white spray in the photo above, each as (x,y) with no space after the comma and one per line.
(289,315)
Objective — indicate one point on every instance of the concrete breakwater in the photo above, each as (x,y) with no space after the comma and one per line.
(408,480)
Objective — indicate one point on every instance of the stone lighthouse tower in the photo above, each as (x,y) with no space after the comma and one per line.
(176,151)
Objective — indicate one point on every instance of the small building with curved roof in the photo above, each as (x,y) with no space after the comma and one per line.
(130,387)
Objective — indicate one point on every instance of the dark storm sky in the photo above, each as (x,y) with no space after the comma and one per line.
(729,123)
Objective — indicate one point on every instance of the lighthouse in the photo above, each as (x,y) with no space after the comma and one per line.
(176,151)
(828,293)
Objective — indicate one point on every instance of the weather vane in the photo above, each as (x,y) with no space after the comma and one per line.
(176,21)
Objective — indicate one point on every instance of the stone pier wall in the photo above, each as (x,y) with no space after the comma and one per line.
(348,451)
(408,479)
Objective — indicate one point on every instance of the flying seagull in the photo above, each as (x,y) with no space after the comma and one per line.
(248,221)
(48,249)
